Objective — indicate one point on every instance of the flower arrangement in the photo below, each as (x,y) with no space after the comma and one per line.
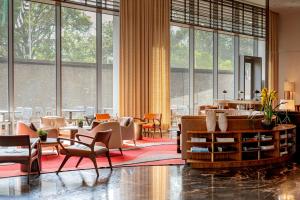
(268,108)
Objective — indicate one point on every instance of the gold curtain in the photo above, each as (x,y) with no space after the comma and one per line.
(144,58)
(273,51)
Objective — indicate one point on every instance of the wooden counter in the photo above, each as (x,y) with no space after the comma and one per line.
(249,147)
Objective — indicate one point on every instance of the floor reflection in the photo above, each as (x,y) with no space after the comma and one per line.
(159,183)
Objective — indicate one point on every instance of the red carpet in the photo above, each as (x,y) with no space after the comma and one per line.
(155,152)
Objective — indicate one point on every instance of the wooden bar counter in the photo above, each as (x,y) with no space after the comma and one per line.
(240,148)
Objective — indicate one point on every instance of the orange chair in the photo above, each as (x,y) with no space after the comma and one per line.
(102,117)
(152,122)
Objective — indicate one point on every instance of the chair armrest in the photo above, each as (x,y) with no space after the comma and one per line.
(36,141)
(140,119)
(81,135)
(75,141)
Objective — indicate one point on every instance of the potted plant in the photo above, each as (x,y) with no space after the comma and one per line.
(269,108)
(42,134)
(80,123)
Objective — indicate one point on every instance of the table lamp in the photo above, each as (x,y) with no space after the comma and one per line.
(289,89)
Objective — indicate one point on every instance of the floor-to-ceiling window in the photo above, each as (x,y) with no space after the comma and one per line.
(225,66)
(179,71)
(203,68)
(107,63)
(34,60)
(246,46)
(78,61)
(3,59)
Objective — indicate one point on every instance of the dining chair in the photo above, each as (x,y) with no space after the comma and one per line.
(86,148)
(152,122)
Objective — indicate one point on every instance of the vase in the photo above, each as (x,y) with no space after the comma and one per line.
(223,122)
(268,124)
(43,137)
(211,121)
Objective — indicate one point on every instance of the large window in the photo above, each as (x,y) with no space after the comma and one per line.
(3,59)
(225,66)
(78,61)
(246,46)
(108,64)
(203,72)
(179,71)
(34,53)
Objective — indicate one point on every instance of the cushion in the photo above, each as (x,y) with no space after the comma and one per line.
(32,127)
(79,149)
(16,152)
(125,121)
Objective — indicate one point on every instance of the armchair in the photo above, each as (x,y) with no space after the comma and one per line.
(115,141)
(24,129)
(127,129)
(87,148)
(25,155)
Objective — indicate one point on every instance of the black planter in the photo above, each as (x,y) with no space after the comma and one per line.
(80,124)
(43,137)
(268,125)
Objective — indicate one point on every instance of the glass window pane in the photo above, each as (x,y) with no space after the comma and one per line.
(203,77)
(3,59)
(262,54)
(107,64)
(179,71)
(34,70)
(78,62)
(225,66)
(246,46)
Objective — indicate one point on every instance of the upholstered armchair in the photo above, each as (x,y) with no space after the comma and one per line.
(127,128)
(55,122)
(52,122)
(24,129)
(115,141)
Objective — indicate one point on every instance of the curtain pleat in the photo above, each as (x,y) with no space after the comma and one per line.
(273,51)
(144,58)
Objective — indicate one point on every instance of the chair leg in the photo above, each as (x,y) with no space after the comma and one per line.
(121,151)
(28,171)
(134,142)
(80,159)
(160,132)
(109,160)
(63,163)
(95,164)
(154,132)
(39,166)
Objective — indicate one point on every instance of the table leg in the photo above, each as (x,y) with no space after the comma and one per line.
(72,135)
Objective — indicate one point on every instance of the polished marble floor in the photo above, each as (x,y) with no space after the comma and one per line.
(159,183)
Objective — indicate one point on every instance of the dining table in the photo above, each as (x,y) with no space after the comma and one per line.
(71,111)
